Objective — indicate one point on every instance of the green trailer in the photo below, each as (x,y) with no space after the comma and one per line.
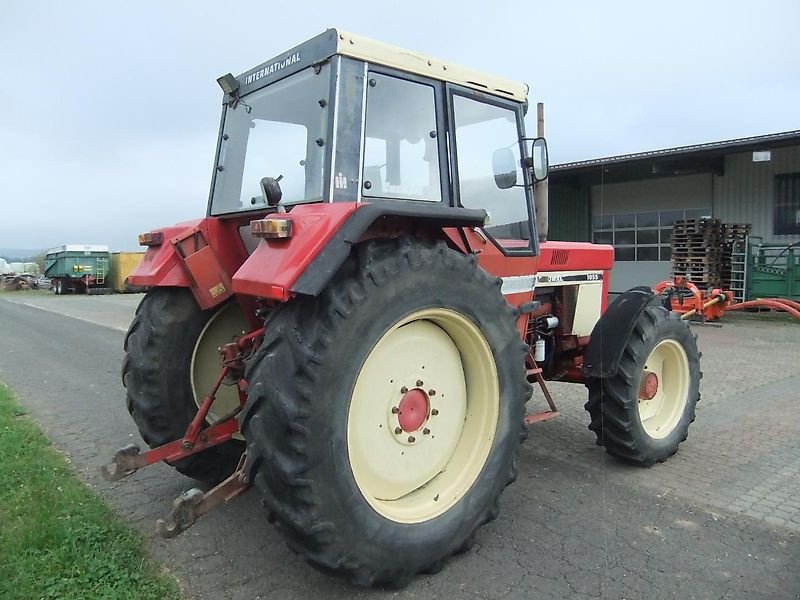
(75,268)
(773,271)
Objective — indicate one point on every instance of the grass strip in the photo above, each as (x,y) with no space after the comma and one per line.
(57,539)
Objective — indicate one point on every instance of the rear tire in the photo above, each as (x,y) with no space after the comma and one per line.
(347,491)
(639,430)
(160,351)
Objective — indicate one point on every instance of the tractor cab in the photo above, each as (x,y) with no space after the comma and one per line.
(342,118)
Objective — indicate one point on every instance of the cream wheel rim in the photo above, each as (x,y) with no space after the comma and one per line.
(660,414)
(227,322)
(423,415)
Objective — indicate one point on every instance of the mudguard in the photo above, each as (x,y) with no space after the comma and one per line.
(322,237)
(160,265)
(610,334)
(317,274)
(201,255)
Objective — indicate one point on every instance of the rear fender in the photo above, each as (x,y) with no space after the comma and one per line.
(161,266)
(201,255)
(322,238)
(611,333)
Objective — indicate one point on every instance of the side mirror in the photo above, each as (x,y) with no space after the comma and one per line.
(538,159)
(504,167)
(271,190)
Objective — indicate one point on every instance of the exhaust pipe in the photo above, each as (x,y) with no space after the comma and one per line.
(541,189)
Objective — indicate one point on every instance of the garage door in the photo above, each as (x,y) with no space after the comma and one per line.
(641,243)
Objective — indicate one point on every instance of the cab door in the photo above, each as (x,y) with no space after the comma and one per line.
(486,149)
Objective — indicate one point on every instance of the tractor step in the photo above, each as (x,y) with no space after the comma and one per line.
(535,375)
(191,505)
(538,417)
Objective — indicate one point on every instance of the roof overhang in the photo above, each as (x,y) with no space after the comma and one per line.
(669,162)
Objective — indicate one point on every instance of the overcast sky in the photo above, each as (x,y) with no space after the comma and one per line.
(109,111)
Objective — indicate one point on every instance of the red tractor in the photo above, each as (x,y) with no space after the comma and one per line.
(354,328)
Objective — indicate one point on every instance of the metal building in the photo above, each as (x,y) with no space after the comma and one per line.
(631,201)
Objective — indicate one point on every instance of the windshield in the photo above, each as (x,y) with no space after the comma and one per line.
(278,130)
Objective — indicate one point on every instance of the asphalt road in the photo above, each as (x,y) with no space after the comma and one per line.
(719,520)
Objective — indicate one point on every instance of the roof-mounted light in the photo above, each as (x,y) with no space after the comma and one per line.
(228,83)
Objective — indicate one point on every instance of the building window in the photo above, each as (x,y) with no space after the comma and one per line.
(787,204)
(643,236)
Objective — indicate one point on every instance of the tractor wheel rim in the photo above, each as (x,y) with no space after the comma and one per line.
(220,329)
(662,413)
(412,467)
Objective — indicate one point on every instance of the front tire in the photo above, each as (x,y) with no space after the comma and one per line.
(383,417)
(170,363)
(643,412)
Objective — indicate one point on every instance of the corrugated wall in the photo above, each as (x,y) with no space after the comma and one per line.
(568,213)
(746,193)
(665,193)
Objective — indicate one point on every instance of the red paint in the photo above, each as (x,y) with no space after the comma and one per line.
(216,434)
(708,306)
(275,265)
(211,284)
(783,304)
(575,256)
(176,263)
(196,438)
(413,410)
(649,386)
(160,265)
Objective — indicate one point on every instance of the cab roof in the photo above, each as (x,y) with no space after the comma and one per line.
(373,51)
(344,43)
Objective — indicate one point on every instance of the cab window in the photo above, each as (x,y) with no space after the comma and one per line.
(401,154)
(489,169)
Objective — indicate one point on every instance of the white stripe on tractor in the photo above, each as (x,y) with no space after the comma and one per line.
(555,278)
(518,284)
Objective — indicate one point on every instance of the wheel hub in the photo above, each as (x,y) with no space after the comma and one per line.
(649,386)
(413,410)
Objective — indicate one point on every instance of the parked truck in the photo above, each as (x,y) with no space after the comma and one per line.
(355,327)
(76,268)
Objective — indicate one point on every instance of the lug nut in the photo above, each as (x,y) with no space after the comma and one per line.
(431,392)
(395,410)
(398,430)
(411,439)
(419,383)
(434,412)
(403,390)
(426,431)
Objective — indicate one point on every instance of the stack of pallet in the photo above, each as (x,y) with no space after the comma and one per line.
(735,232)
(697,251)
(701,251)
